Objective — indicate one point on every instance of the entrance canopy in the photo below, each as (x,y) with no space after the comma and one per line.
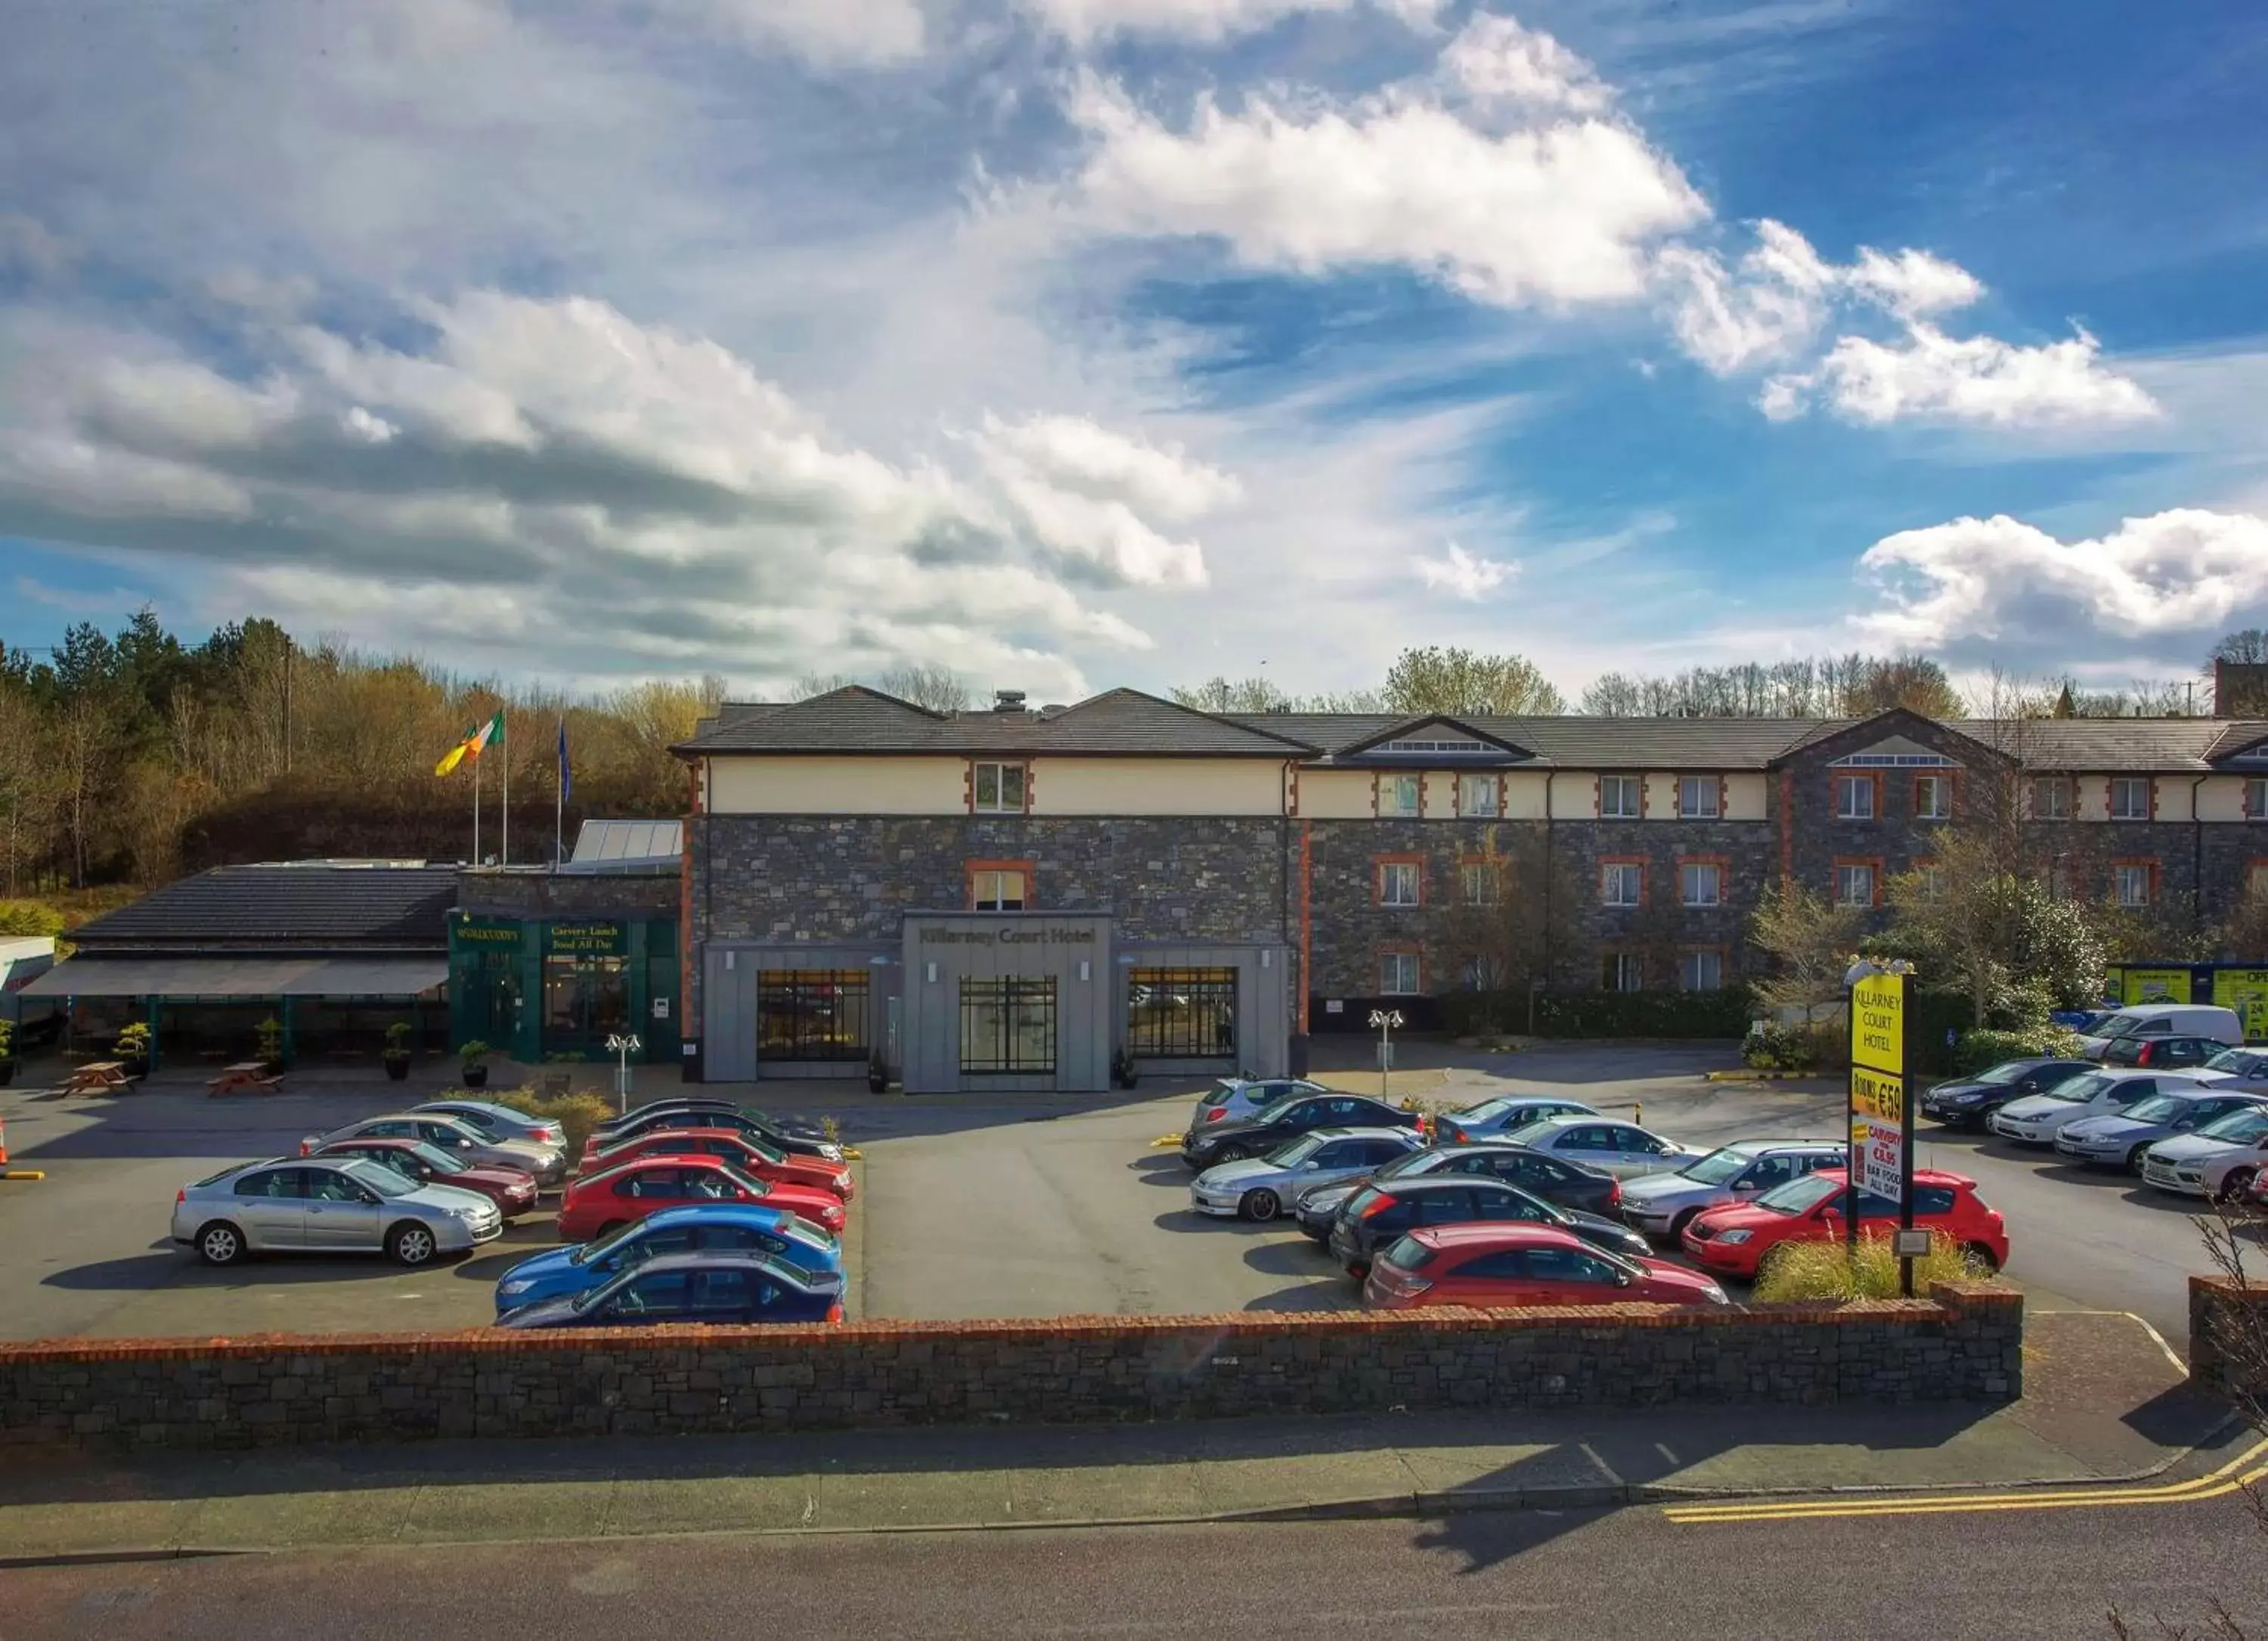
(398,975)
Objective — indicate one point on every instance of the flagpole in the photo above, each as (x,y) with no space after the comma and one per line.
(559,806)
(505,849)
(476,811)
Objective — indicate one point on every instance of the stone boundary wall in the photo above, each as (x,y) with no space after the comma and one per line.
(1962,1343)
(2220,1328)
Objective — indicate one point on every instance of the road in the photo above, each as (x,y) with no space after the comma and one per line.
(1475,1578)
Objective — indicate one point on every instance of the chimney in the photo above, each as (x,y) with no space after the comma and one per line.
(1007,700)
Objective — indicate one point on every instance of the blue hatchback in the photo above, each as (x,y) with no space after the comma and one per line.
(563,1273)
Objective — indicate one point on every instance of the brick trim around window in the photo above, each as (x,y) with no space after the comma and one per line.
(2255,876)
(1835,780)
(970,869)
(1645,875)
(2149,862)
(1842,860)
(1952,795)
(1377,865)
(1724,865)
(1399,948)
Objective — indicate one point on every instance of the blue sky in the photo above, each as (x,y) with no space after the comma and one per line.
(1074,343)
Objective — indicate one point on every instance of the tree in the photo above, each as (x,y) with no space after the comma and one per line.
(1460,681)
(2247,645)
(938,689)
(1978,924)
(1811,943)
(812,684)
(1913,682)
(1240,695)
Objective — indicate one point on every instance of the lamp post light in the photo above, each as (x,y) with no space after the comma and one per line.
(624,1045)
(1385,1020)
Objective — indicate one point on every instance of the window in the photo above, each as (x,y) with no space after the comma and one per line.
(1008,1026)
(1929,880)
(1181,1014)
(997,888)
(1932,797)
(586,999)
(998,790)
(1397,974)
(2130,797)
(1476,794)
(811,1013)
(2256,798)
(1564,1265)
(2132,882)
(1854,797)
(1619,798)
(1701,971)
(2256,879)
(280,1184)
(1621,972)
(1398,795)
(1622,883)
(2050,798)
(1854,883)
(1700,884)
(1481,885)
(1397,882)
(1696,797)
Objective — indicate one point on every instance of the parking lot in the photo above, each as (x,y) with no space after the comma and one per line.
(989,1206)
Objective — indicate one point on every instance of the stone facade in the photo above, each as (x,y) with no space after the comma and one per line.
(531,896)
(2229,1337)
(1963,1343)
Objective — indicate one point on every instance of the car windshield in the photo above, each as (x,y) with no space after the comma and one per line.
(1721,1166)
(603,1246)
(2080,1088)
(378,1177)
(1411,1162)
(1485,1111)
(1219,1094)
(1356,1204)
(2238,1126)
(2157,1108)
(1297,1151)
(2242,1062)
(1800,1196)
(438,1160)
(1408,1254)
(2008,1071)
(2115,1025)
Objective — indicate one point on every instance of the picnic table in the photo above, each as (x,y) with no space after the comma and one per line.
(246,1073)
(98,1077)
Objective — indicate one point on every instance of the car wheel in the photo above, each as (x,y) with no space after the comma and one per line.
(412,1244)
(1677,1226)
(1229,1154)
(2234,1185)
(220,1243)
(1979,1260)
(1261,1205)
(2134,1158)
(608,1230)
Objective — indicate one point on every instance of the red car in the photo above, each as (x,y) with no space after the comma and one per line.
(597,1203)
(1502,1266)
(512,1190)
(744,1151)
(1734,1241)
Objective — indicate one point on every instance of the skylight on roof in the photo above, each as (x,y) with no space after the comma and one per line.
(1450,747)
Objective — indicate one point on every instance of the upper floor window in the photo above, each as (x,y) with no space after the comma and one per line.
(1854,797)
(1701,971)
(1696,797)
(1480,884)
(1397,795)
(1619,798)
(1622,972)
(1476,794)
(1701,883)
(2256,798)
(1854,883)
(1397,882)
(2050,797)
(1622,883)
(1397,974)
(2130,797)
(2131,882)
(1932,797)
(1000,789)
(997,889)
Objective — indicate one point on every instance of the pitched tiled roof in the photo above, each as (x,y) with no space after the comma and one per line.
(1579,742)
(857,720)
(310,907)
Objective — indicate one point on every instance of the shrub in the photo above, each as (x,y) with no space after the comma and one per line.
(1980,1048)
(1822,1044)
(1825,1270)
(7,1041)
(578,1115)
(29,917)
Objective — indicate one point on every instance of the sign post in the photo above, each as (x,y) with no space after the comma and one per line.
(1881,1119)
(624,1045)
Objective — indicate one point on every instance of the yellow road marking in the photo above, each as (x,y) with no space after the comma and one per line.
(1165,1140)
(2227,1479)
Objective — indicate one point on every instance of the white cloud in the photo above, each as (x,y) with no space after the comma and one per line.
(1774,304)
(1560,213)
(1496,59)
(360,424)
(1978,381)
(1973,584)
(824,32)
(1083,490)
(1912,285)
(1463,574)
(1082,22)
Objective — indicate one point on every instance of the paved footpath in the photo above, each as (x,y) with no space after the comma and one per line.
(2105,1404)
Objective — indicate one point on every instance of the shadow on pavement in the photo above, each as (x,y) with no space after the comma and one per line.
(1294,1257)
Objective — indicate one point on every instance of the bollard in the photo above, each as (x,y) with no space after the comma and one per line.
(1638,1113)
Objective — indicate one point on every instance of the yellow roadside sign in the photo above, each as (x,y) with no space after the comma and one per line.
(1878,1025)
(1881,1097)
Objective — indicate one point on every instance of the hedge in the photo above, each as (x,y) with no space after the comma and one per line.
(1602,1014)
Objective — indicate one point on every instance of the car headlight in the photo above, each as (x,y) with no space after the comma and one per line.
(1715,1295)
(509,1289)
(1735,1236)
(831,1153)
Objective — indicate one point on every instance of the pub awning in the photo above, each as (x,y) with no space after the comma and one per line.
(378,975)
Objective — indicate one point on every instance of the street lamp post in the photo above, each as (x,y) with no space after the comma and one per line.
(1385,1020)
(624,1045)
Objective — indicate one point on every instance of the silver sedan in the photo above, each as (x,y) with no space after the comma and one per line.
(1258,1187)
(1623,1148)
(305,1204)
(454,1136)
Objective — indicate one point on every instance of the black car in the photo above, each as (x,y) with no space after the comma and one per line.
(1380,1214)
(1287,1120)
(799,1141)
(714,1287)
(1568,1184)
(1966,1102)
(2162,1054)
(699,1102)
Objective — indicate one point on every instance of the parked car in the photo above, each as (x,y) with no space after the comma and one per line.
(2237,1068)
(563,1272)
(1658,1205)
(2163,1019)
(497,1122)
(1566,1184)
(653,1118)
(1621,1149)
(595,1204)
(510,1189)
(1210,1143)
(744,1150)
(2119,1139)
(1509,1266)
(331,1204)
(1735,1240)
(2224,1158)
(639,1115)
(1375,1215)
(2161,1053)
(1233,1099)
(1503,1118)
(547,1163)
(715,1288)
(2037,1119)
(1969,1102)
(1257,1187)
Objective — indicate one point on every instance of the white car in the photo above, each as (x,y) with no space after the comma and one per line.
(2037,1119)
(2245,1068)
(1261,1187)
(2218,1160)
(1658,1205)
(1233,1099)
(1621,1149)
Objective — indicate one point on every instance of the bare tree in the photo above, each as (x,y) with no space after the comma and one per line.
(938,689)
(1810,942)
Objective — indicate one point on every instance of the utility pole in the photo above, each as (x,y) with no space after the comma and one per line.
(287,703)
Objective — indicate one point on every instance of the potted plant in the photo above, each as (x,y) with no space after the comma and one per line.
(878,1074)
(1122,1068)
(396,1056)
(473,1063)
(7,1053)
(132,1048)
(271,1045)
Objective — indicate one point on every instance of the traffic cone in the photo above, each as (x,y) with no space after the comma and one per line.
(4,1141)
(7,1173)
